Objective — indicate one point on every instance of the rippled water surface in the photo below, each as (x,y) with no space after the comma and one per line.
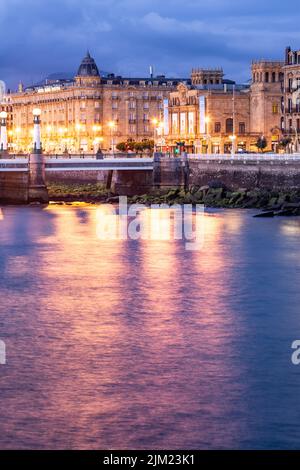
(142,344)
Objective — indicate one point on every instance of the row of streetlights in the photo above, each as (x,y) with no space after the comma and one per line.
(79,127)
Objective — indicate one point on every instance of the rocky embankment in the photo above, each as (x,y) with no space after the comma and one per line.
(270,203)
(90,193)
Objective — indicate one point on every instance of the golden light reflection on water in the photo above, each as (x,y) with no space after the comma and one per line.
(291,227)
(123,343)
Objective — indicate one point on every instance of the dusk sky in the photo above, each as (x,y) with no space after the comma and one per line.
(40,37)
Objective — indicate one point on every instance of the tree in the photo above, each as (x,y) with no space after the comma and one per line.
(261,143)
(121,146)
(135,146)
(284,142)
(139,147)
(125,146)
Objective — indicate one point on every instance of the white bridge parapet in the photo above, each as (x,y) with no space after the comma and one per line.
(79,164)
(107,164)
(14,164)
(247,157)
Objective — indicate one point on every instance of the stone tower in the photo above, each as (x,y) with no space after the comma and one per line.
(207,76)
(266,100)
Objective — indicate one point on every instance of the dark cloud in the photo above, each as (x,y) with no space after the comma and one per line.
(39,37)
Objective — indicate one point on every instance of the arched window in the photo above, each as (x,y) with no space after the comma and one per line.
(273,77)
(267,77)
(229,126)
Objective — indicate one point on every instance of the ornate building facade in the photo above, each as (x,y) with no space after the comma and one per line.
(213,115)
(205,113)
(89,111)
(291,98)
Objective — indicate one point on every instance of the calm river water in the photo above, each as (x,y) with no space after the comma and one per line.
(142,344)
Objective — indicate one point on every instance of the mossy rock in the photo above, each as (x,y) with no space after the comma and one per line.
(173,193)
(273,201)
(235,196)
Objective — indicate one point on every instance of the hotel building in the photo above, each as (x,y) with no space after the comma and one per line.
(89,111)
(206,113)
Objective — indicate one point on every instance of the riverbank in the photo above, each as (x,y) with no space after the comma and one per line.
(276,202)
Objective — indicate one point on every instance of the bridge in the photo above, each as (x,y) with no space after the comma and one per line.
(24,179)
(61,163)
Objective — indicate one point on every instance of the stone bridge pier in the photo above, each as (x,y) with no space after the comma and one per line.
(37,189)
(132,182)
(166,173)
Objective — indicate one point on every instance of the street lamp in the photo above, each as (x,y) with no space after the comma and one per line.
(97,147)
(96,128)
(207,121)
(37,190)
(233,139)
(296,139)
(3,139)
(78,128)
(17,132)
(155,124)
(112,126)
(37,148)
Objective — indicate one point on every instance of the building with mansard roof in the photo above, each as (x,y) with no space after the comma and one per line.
(89,111)
(206,112)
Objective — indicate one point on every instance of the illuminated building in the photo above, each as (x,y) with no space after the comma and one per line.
(212,114)
(77,114)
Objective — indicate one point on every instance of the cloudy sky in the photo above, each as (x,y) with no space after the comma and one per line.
(39,37)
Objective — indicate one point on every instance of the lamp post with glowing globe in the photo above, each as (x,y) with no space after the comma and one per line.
(112,127)
(3,137)
(37,191)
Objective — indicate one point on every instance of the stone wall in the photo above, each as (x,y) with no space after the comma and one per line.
(73,177)
(173,172)
(279,175)
(14,187)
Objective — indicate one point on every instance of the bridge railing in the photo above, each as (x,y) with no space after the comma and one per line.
(259,157)
(81,156)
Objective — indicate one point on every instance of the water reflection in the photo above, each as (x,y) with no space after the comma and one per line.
(143,344)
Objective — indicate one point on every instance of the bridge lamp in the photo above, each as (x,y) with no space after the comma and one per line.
(155,123)
(112,125)
(17,132)
(233,139)
(3,138)
(207,121)
(37,148)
